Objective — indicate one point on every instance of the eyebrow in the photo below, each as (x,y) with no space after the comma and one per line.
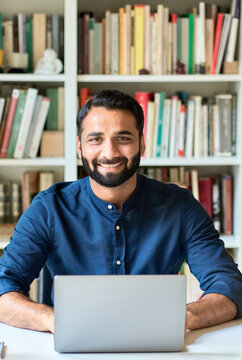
(122,132)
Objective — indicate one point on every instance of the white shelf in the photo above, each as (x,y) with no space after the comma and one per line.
(32,78)
(212,161)
(33,162)
(157,78)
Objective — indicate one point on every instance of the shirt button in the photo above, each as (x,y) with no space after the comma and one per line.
(117,227)
(118,262)
(110,207)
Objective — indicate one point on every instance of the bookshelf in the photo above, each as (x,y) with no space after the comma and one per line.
(66,168)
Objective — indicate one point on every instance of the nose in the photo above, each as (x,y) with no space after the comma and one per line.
(110,149)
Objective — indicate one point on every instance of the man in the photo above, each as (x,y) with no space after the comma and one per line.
(116,222)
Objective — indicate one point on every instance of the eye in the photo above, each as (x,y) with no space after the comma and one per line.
(123,138)
(94,140)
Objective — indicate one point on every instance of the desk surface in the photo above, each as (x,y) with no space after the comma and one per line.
(223,342)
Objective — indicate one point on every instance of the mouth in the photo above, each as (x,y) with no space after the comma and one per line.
(110,166)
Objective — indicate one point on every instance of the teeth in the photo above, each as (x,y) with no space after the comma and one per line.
(109,166)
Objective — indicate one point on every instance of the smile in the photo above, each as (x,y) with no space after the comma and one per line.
(110,166)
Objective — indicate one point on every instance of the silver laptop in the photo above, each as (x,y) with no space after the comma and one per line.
(119,313)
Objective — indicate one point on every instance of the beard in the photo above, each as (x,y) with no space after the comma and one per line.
(112,180)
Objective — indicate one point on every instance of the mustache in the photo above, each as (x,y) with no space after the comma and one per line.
(115,160)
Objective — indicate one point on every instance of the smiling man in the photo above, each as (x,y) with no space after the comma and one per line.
(116,221)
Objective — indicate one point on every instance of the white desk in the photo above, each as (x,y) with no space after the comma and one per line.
(222,342)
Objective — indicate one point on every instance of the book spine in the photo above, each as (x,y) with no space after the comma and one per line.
(127,39)
(86,42)
(9,122)
(139,37)
(227,203)
(229,57)
(147,62)
(91,47)
(191,42)
(217,36)
(190,128)
(25,123)
(181,130)
(121,41)
(107,43)
(174,34)
(166,128)
(160,39)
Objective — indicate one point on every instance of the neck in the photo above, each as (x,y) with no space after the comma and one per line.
(115,195)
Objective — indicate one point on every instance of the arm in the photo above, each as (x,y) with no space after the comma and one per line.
(17,310)
(211,309)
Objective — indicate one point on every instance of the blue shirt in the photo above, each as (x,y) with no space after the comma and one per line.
(159,226)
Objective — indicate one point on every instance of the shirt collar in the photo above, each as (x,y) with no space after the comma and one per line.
(109,207)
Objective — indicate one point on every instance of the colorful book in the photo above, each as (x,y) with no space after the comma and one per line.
(16,124)
(143,97)
(39,37)
(25,123)
(9,122)
(139,16)
(52,118)
(160,119)
(227,204)
(29,46)
(217,36)
(205,194)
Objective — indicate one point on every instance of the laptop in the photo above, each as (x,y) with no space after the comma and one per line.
(119,313)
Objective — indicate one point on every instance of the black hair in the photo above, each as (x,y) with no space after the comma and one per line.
(112,100)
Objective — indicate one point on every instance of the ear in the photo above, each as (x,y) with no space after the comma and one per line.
(142,146)
(78,147)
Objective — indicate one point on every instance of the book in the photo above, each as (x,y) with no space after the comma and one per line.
(25,123)
(181,132)
(205,194)
(107,42)
(55,41)
(230,51)
(38,129)
(173,132)
(60,108)
(159,123)
(147,42)
(16,124)
(114,26)
(174,35)
(39,37)
(166,129)
(223,41)
(52,144)
(121,41)
(197,135)
(80,44)
(202,57)
(185,42)
(2,104)
(29,46)
(91,46)
(52,117)
(46,179)
(22,32)
(190,128)
(85,94)
(4,119)
(209,31)
(7,41)
(143,97)
(9,122)
(191,43)
(139,37)
(150,129)
(98,42)
(227,204)
(16,201)
(224,102)
(127,40)
(217,35)
(30,187)
(216,203)
(194,184)
(32,126)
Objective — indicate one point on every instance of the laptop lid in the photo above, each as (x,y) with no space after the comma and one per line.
(119,313)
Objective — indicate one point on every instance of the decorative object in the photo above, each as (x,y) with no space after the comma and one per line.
(49,63)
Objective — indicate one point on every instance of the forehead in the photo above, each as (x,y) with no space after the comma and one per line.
(100,118)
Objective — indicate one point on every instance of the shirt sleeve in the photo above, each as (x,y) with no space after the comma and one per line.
(207,258)
(28,249)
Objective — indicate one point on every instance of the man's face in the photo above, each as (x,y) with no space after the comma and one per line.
(110,148)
